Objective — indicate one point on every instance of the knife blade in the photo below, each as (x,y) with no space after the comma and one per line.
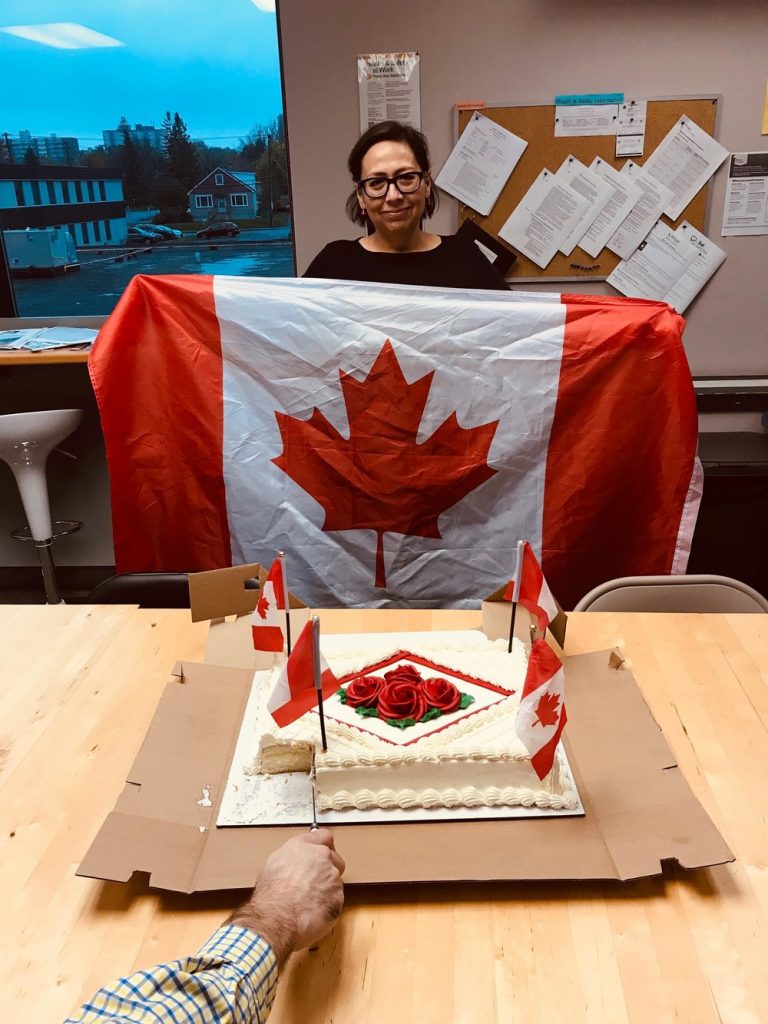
(313,779)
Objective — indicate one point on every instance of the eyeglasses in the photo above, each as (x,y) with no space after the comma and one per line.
(405,183)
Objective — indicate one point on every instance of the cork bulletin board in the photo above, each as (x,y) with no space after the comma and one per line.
(536,124)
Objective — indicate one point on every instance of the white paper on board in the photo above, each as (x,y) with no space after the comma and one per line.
(746,195)
(593,188)
(669,266)
(625,194)
(684,161)
(543,218)
(586,119)
(480,164)
(643,215)
(630,133)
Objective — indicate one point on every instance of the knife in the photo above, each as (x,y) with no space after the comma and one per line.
(313,779)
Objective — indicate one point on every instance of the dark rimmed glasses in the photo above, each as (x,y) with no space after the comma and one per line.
(405,183)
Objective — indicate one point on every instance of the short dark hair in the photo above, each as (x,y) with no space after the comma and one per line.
(388,131)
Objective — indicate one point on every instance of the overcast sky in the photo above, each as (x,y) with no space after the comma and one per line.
(91,61)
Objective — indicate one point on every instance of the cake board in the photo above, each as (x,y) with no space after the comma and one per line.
(639,811)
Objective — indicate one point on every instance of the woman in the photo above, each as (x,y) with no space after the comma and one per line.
(393,195)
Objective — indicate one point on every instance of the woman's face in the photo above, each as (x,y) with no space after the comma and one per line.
(393,213)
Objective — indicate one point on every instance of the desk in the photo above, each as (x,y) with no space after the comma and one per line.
(44,357)
(79,686)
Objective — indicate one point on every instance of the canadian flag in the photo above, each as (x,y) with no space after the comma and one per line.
(541,716)
(267,621)
(529,588)
(294,693)
(395,439)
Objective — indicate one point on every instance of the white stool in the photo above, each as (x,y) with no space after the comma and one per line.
(26,441)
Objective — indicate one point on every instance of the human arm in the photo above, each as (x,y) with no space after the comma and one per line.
(233,977)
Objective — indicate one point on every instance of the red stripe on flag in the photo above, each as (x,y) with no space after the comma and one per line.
(601,521)
(544,758)
(162,350)
(268,638)
(301,703)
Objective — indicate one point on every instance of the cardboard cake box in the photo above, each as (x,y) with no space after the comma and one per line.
(639,811)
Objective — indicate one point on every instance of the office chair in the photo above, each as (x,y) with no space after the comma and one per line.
(673,594)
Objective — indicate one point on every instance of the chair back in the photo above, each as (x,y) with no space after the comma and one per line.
(703,593)
(146,589)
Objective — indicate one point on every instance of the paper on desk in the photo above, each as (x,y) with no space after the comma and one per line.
(643,215)
(684,161)
(37,338)
(746,195)
(480,163)
(669,266)
(624,196)
(544,217)
(630,132)
(593,188)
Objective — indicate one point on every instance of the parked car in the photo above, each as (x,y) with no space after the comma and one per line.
(161,229)
(137,234)
(219,229)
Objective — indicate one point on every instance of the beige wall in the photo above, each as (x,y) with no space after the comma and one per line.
(525,51)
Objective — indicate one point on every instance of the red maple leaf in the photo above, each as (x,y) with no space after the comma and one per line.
(262,606)
(547,711)
(381,479)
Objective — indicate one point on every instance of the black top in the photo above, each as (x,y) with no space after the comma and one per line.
(455,263)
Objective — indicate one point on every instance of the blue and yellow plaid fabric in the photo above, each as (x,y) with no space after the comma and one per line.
(232,978)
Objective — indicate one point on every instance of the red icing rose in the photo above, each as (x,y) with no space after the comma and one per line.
(402,700)
(363,692)
(439,693)
(404,674)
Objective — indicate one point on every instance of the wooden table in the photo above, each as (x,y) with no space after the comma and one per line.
(78,687)
(43,357)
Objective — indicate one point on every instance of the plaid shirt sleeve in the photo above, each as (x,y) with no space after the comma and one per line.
(232,979)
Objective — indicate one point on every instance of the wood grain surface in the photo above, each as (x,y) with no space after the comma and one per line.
(78,687)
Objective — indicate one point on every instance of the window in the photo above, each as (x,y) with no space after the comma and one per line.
(239,199)
(36,192)
(174,173)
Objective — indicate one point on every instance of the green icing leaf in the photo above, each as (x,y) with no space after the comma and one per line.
(366,712)
(431,715)
(343,695)
(466,700)
(400,723)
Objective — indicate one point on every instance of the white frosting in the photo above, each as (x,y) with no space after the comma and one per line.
(469,758)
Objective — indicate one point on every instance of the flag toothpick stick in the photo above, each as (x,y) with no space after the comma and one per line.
(515,592)
(281,557)
(318,680)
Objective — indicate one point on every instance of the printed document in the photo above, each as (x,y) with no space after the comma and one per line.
(544,218)
(593,188)
(630,133)
(669,266)
(623,198)
(643,215)
(684,161)
(746,195)
(480,164)
(388,85)
(589,119)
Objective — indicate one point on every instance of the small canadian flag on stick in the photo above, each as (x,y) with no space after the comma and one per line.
(295,691)
(529,588)
(541,716)
(269,614)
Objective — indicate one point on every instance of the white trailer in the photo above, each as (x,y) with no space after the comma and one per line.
(40,251)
